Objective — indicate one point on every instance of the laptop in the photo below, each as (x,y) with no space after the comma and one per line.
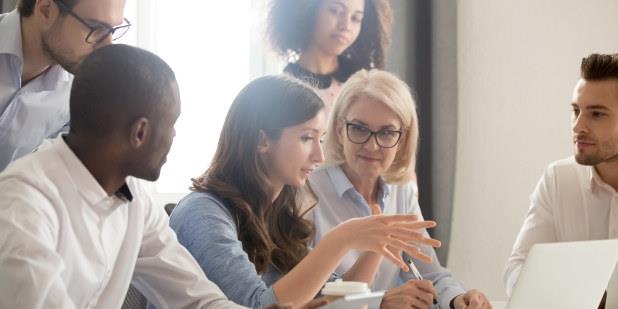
(568,275)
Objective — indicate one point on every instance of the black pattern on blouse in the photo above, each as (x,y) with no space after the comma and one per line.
(320,81)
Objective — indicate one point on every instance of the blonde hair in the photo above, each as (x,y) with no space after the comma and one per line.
(391,91)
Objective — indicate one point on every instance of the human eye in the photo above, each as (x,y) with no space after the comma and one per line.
(357,18)
(307,137)
(322,137)
(334,9)
(99,32)
(597,115)
(388,134)
(359,129)
(575,111)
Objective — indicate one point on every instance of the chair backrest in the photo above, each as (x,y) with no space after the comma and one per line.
(134,299)
(169,208)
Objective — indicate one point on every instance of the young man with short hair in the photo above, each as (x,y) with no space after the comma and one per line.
(576,199)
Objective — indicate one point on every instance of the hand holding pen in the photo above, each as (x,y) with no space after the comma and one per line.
(418,276)
(412,294)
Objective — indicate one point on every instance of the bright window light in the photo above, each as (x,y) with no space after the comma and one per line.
(215,48)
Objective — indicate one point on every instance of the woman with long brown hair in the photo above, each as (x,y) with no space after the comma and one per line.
(243,222)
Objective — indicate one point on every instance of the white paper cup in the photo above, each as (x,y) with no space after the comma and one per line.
(339,288)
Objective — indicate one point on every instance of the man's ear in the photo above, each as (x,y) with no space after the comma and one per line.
(140,129)
(264,143)
(46,11)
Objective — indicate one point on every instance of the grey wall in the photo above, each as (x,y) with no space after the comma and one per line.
(401,47)
(7,5)
(443,127)
(410,58)
(424,53)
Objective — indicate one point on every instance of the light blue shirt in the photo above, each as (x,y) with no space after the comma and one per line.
(339,201)
(28,113)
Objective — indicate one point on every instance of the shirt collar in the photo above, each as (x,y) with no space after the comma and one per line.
(596,182)
(339,179)
(85,183)
(342,183)
(10,35)
(11,43)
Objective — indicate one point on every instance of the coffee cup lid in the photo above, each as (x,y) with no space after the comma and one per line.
(342,288)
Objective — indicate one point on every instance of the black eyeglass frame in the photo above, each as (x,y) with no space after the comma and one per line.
(110,30)
(372,133)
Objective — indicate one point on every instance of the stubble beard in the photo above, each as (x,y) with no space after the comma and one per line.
(58,54)
(607,152)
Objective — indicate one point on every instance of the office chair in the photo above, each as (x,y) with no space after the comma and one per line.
(134,299)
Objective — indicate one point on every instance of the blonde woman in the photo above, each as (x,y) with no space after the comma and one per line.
(370,148)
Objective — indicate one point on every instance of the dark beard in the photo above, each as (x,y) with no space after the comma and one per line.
(597,160)
(57,55)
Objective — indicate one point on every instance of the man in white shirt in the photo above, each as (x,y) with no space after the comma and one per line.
(577,199)
(76,225)
(41,44)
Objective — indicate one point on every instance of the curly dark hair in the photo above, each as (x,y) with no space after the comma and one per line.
(272,233)
(290,24)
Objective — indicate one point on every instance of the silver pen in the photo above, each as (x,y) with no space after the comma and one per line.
(418,276)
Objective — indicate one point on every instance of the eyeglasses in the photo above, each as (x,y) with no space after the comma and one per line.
(359,134)
(100,32)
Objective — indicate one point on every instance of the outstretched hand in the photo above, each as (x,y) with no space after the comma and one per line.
(389,236)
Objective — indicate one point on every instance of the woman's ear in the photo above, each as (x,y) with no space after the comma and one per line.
(264,143)
(139,132)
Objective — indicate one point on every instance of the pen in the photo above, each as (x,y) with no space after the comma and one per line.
(418,276)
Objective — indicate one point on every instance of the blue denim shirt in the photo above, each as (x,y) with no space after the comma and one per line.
(206,227)
(32,112)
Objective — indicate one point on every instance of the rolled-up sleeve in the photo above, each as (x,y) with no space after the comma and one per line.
(206,228)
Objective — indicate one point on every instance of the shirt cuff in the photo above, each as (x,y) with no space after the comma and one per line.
(444,299)
(268,298)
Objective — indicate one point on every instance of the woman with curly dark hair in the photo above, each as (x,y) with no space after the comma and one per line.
(244,224)
(326,41)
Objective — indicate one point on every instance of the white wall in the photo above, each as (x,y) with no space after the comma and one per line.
(517,64)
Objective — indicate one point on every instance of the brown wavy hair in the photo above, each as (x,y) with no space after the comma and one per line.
(272,233)
(290,25)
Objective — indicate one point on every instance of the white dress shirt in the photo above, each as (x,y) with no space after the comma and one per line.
(65,243)
(339,201)
(32,112)
(570,203)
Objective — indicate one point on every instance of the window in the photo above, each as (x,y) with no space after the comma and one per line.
(215,49)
